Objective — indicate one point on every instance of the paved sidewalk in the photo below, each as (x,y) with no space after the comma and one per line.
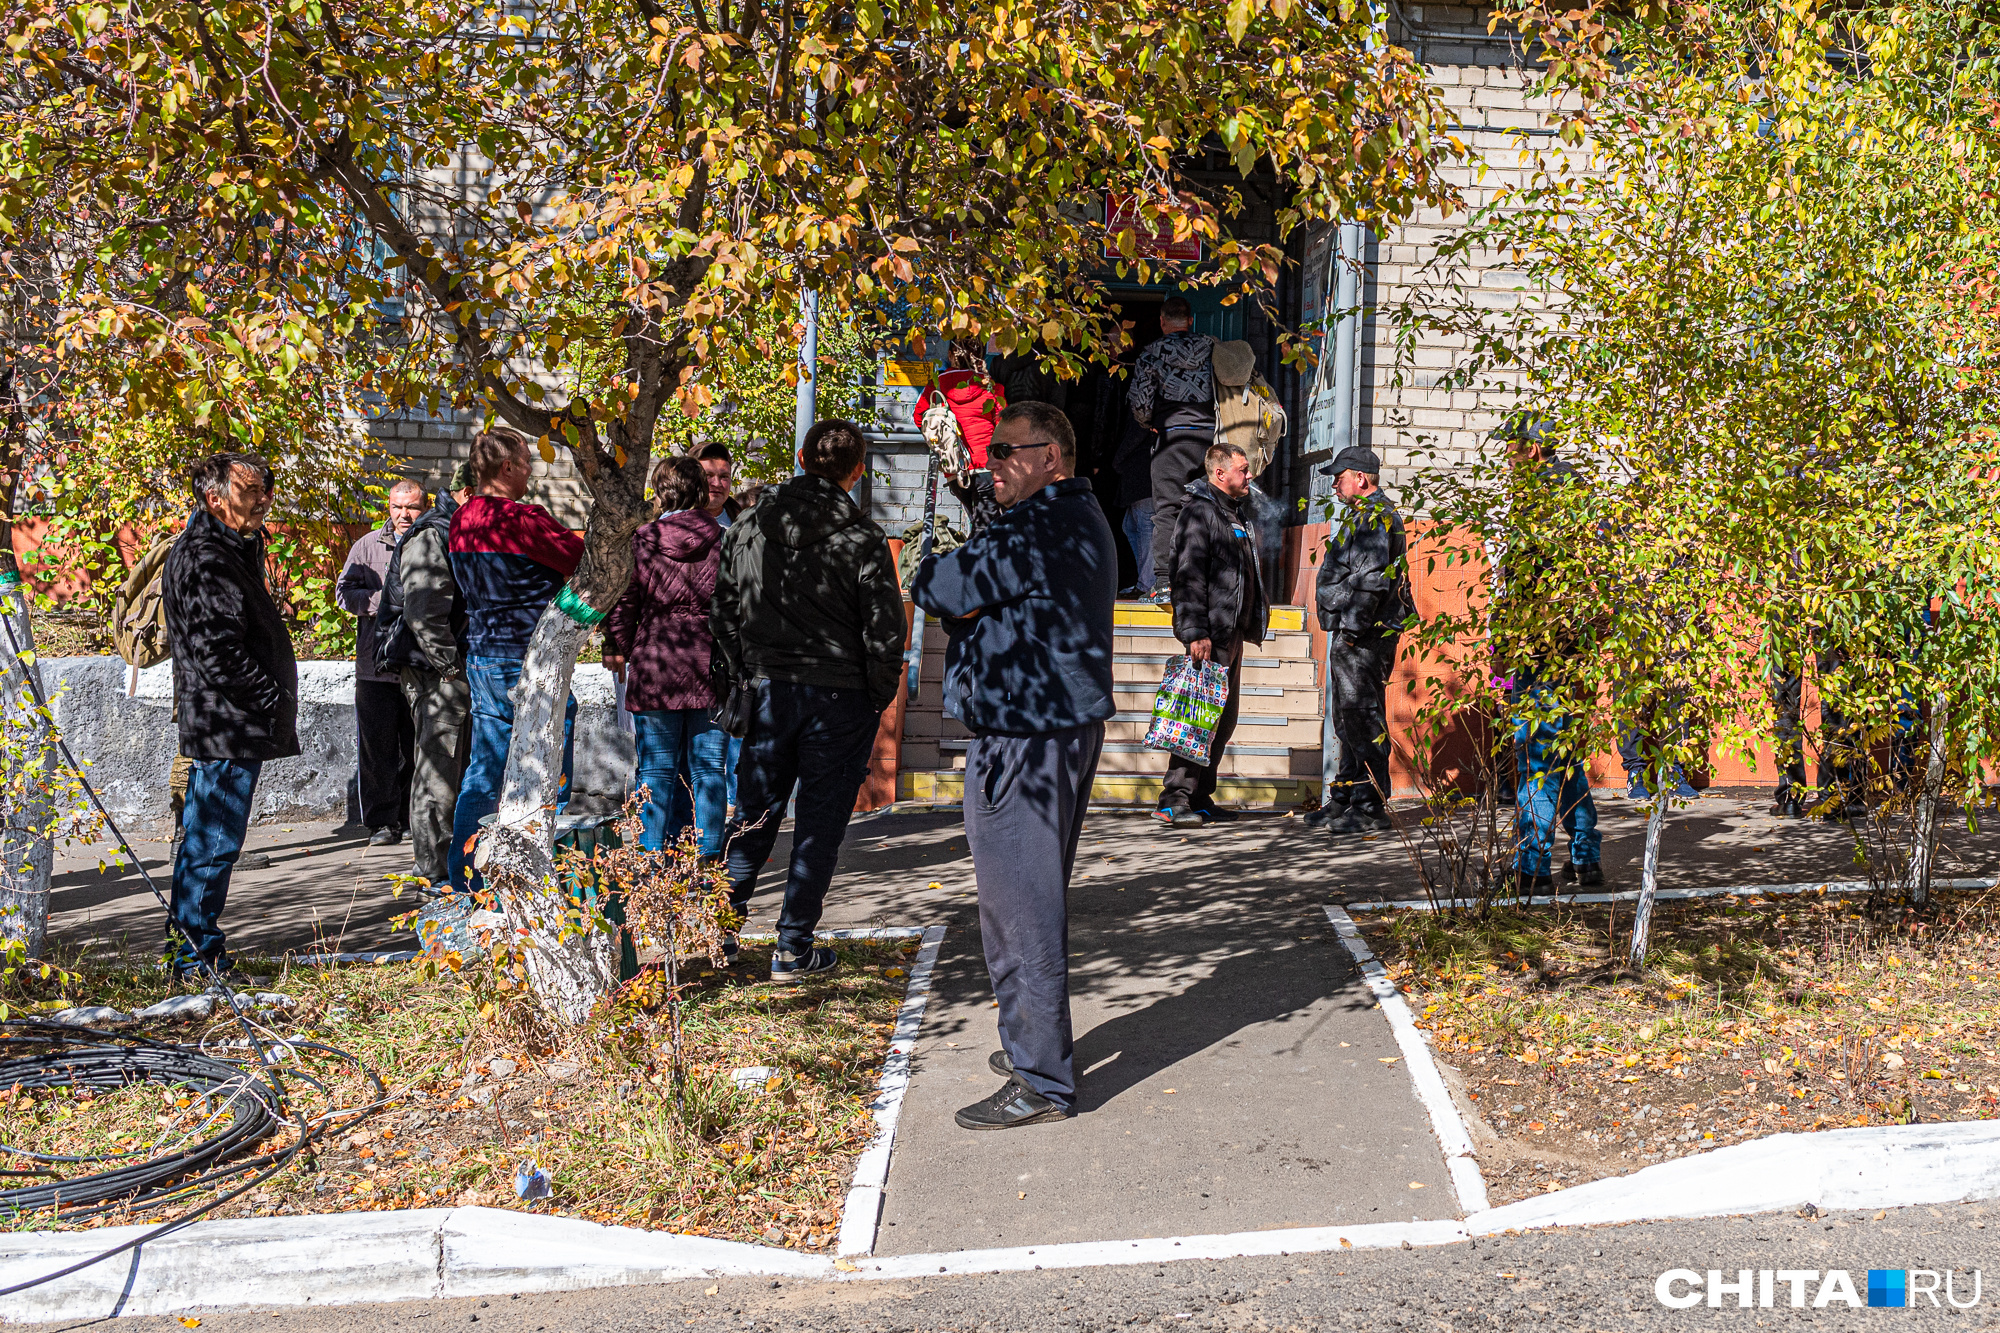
(1234,1074)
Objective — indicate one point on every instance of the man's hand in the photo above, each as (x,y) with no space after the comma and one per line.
(1201,649)
(615,665)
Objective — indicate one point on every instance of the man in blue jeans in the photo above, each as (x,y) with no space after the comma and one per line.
(237,686)
(808,612)
(509,560)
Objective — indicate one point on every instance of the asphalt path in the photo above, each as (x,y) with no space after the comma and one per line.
(1595,1279)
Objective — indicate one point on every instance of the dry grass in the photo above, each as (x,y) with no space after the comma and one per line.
(1757,1016)
(476,1091)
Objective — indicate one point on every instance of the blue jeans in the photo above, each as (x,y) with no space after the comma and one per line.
(682,758)
(213,823)
(819,739)
(1546,797)
(1138,525)
(730,762)
(492,680)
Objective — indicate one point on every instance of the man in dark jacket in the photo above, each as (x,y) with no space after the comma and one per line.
(422,638)
(1173,393)
(1219,606)
(382,722)
(1027,604)
(1363,591)
(237,686)
(808,613)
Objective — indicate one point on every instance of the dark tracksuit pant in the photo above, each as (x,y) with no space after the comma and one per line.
(821,740)
(1177,463)
(1025,798)
(388,734)
(1360,680)
(1190,786)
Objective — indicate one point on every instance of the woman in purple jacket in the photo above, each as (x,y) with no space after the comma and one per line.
(658,633)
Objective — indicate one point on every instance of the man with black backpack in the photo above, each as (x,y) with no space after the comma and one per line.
(421,637)
(381,720)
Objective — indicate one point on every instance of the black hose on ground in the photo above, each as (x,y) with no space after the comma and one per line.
(256,1099)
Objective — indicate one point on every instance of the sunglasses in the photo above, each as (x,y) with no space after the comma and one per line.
(1000,453)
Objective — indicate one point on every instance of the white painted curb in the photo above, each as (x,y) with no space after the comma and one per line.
(397,1256)
(1445,1123)
(1632,895)
(861,1215)
(1879,1166)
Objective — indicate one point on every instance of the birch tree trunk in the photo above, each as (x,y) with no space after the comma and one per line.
(1649,878)
(570,967)
(1923,853)
(27,764)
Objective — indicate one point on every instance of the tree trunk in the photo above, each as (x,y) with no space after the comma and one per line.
(27,745)
(1924,853)
(570,966)
(1649,879)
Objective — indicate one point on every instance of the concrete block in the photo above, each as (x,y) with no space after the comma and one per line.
(128,743)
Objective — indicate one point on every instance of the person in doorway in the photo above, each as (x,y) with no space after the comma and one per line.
(1219,608)
(423,639)
(1551,787)
(1363,599)
(1028,607)
(718,470)
(509,560)
(382,721)
(1134,465)
(657,640)
(236,686)
(1173,393)
(808,614)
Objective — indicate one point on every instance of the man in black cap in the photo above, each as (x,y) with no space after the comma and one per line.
(1363,592)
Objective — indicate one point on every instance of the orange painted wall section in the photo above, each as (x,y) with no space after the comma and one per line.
(1440,589)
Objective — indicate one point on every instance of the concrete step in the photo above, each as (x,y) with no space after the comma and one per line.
(1283,618)
(1264,700)
(1160,639)
(1129,756)
(1251,729)
(947,786)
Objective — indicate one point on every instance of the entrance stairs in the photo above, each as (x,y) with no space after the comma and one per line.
(1273,760)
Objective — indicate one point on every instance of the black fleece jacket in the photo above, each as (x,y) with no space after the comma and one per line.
(807,593)
(235,678)
(1363,589)
(1217,593)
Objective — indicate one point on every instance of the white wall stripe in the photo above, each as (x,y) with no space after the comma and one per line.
(1451,1134)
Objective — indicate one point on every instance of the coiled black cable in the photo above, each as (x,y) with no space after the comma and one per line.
(35,1059)
(177,1175)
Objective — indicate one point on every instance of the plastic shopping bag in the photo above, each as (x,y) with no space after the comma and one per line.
(1188,707)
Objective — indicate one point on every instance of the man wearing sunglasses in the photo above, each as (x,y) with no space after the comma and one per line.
(1027,604)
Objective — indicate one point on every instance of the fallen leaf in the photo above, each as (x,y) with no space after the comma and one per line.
(1023,1194)
(1346,1244)
(712,1290)
(934,885)
(846,1267)
(1416,1184)
(188,1321)
(1170,1092)
(1388,1059)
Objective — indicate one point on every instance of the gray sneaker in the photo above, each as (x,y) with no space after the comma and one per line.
(788,967)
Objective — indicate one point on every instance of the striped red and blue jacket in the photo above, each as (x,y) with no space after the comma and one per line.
(509,560)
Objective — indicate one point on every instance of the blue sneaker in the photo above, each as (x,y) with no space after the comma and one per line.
(1684,792)
(1635,789)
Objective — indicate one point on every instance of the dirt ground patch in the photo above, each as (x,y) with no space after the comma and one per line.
(1757,1016)
(474,1093)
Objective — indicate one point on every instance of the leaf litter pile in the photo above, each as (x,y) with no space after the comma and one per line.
(758,1145)
(1755,1016)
